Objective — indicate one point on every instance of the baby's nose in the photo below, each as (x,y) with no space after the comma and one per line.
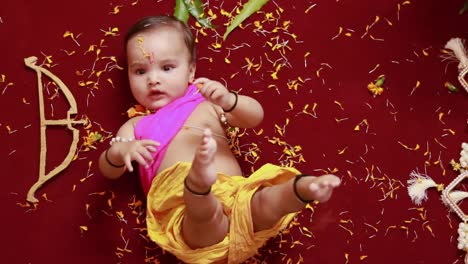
(153,78)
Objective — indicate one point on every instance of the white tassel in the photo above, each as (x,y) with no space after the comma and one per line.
(456,45)
(417,186)
(456,196)
(459,52)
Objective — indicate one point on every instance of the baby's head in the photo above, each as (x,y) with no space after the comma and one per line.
(160,59)
(155,22)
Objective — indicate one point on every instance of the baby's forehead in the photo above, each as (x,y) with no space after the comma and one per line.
(157,45)
(167,39)
(162,29)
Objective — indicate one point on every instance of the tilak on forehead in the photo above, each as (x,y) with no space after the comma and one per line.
(143,51)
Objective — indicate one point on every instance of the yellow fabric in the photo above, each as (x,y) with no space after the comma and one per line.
(166,211)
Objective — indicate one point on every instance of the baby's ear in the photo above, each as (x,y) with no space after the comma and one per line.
(192,72)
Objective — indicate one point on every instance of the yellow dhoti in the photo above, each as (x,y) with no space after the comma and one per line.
(166,207)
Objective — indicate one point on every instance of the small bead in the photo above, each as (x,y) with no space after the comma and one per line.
(120,139)
(223,119)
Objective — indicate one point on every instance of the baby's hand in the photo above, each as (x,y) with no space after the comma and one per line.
(136,150)
(214,92)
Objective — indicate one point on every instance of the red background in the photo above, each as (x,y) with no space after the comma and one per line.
(381,229)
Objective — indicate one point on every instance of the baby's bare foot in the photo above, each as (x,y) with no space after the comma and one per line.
(316,188)
(203,172)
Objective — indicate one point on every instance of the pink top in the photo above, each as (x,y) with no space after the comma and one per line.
(162,126)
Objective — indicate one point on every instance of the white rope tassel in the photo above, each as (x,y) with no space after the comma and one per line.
(456,196)
(456,45)
(417,186)
(459,52)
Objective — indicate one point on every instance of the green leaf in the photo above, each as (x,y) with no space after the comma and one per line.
(248,9)
(380,81)
(181,12)
(451,87)
(96,137)
(195,7)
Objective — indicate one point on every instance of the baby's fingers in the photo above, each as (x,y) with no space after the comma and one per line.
(146,153)
(217,95)
(139,158)
(128,163)
(200,80)
(151,148)
(149,142)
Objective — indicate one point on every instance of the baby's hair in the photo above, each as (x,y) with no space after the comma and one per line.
(153,22)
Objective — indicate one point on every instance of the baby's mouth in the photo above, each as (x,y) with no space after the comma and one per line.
(156,94)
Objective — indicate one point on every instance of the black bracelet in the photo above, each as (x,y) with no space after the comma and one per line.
(298,177)
(110,163)
(235,103)
(194,192)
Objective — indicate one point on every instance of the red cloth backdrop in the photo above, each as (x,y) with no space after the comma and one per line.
(328,51)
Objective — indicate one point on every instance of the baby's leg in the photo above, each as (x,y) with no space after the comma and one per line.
(269,204)
(204,222)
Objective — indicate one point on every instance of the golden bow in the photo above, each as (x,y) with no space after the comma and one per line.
(43,177)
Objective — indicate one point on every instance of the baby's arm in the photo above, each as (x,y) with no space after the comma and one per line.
(119,156)
(247,113)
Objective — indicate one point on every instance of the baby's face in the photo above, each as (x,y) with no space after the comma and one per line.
(159,67)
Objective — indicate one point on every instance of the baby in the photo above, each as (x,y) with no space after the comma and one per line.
(199,208)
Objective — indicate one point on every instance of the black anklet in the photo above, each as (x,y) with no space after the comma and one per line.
(194,192)
(295,189)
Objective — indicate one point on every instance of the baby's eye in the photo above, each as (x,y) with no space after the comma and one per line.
(168,67)
(140,71)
